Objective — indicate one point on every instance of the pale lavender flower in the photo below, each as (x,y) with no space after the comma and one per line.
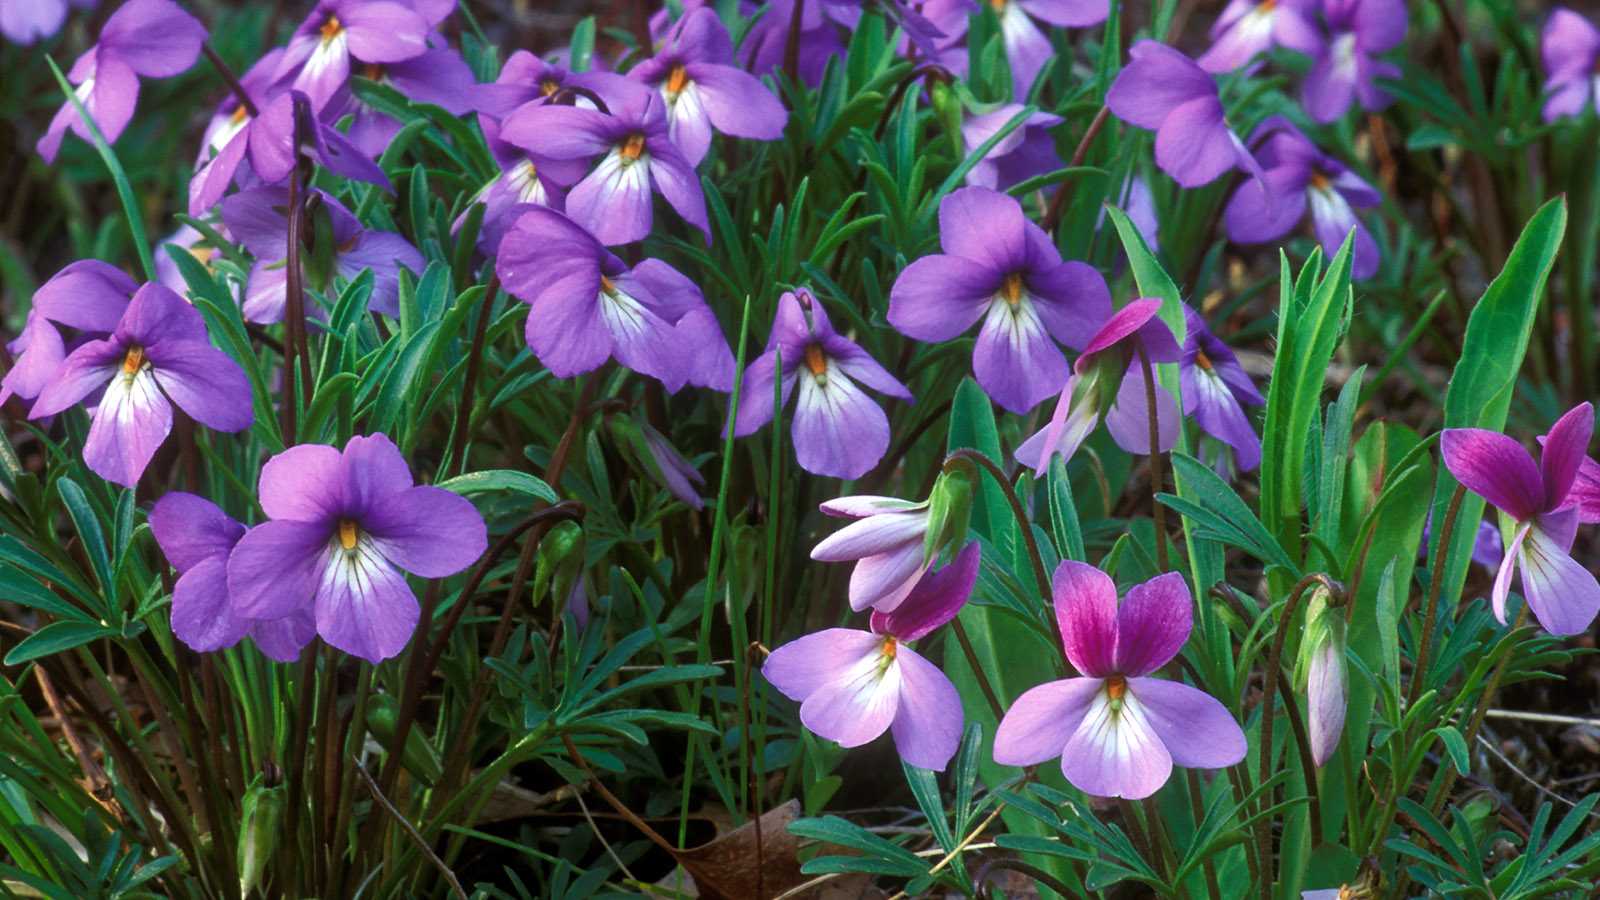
(1570,48)
(89,296)
(1248,28)
(1119,732)
(889,542)
(854,685)
(1540,505)
(440,77)
(341,527)
(1345,64)
(152,38)
(1027,151)
(30,21)
(318,59)
(157,355)
(1002,269)
(838,431)
(1027,47)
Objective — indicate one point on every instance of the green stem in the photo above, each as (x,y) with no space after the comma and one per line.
(1040,576)
(1424,647)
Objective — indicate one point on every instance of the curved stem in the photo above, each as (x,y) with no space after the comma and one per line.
(972,660)
(1157,474)
(1446,533)
(1052,214)
(1040,576)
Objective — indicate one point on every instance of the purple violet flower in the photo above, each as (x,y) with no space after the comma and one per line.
(889,541)
(1003,269)
(1215,387)
(1108,378)
(1297,176)
(838,431)
(153,38)
(1027,47)
(1344,63)
(259,220)
(267,141)
(34,20)
(1541,510)
(636,157)
(766,43)
(1024,153)
(341,527)
(585,305)
(1162,90)
(87,295)
(196,536)
(1570,48)
(317,60)
(703,90)
(231,115)
(1248,28)
(853,685)
(157,355)
(1117,731)
(440,77)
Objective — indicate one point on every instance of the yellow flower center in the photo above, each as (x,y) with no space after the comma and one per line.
(1201,360)
(134,361)
(549,86)
(816,360)
(677,79)
(1320,181)
(331,29)
(1011,288)
(1116,686)
(348,533)
(607,286)
(633,147)
(240,114)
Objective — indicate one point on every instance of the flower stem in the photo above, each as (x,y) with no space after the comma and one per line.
(1425,645)
(1058,200)
(233,80)
(1157,473)
(972,660)
(1040,576)
(791,46)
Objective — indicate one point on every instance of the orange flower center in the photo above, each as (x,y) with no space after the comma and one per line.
(549,86)
(240,114)
(633,147)
(816,360)
(1116,686)
(331,29)
(677,79)
(1201,360)
(889,647)
(134,361)
(607,286)
(1320,181)
(1011,288)
(373,71)
(348,533)
(1267,5)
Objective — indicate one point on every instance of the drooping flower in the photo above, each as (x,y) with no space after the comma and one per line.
(585,305)
(152,38)
(1541,511)
(1001,268)
(679,301)
(894,542)
(853,685)
(318,59)
(1162,90)
(1345,64)
(637,157)
(1570,48)
(341,528)
(1108,378)
(1027,151)
(157,355)
(703,90)
(1248,28)
(268,142)
(838,431)
(651,451)
(89,296)
(1118,731)
(196,536)
(259,219)
(1215,387)
(1297,176)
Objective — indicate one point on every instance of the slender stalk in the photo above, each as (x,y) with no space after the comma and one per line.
(983,678)
(1040,576)
(1197,803)
(294,308)
(1476,722)
(1058,201)
(791,46)
(232,80)
(1135,828)
(427,851)
(1157,474)
(469,390)
(1308,763)
(1425,645)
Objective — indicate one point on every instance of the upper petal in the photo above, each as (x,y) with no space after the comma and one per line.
(1086,612)
(935,600)
(984,226)
(1496,468)
(190,529)
(1153,624)
(1156,82)
(302,483)
(1565,449)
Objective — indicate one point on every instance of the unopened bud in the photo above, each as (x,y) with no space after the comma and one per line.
(419,757)
(258,831)
(949,509)
(560,561)
(1321,671)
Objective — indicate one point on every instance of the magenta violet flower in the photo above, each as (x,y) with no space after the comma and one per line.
(1248,28)
(1344,64)
(1027,151)
(1162,90)
(317,60)
(1215,388)
(838,431)
(341,527)
(267,141)
(89,296)
(704,90)
(1118,731)
(152,38)
(637,157)
(1570,48)
(196,536)
(258,219)
(1541,511)
(1108,377)
(585,305)
(157,355)
(1297,177)
(1001,268)
(853,685)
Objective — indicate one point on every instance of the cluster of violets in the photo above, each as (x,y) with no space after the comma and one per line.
(582,156)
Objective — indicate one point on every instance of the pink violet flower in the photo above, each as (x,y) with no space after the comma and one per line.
(196,536)
(341,527)
(889,542)
(703,90)
(157,356)
(1003,270)
(838,431)
(1541,507)
(853,685)
(1118,731)
(152,38)
(1570,49)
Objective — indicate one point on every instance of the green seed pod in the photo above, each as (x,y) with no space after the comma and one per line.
(419,758)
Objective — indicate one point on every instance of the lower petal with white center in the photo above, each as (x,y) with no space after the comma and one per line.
(860,701)
(1115,752)
(364,606)
(130,424)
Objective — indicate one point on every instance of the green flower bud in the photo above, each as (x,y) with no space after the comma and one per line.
(258,830)
(949,509)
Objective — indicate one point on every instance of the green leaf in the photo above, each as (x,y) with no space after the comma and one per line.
(501,480)
(1456,745)
(87,523)
(55,638)
(1225,516)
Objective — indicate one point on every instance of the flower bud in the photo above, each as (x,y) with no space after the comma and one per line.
(1321,671)
(258,830)
(560,561)
(949,509)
